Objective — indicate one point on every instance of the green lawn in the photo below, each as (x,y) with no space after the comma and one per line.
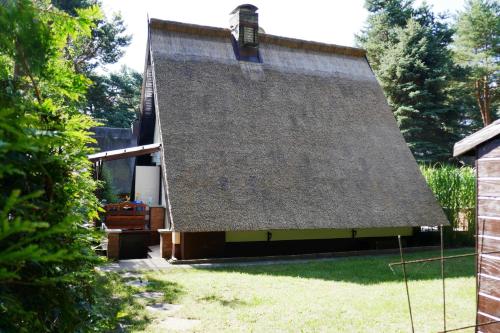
(359,294)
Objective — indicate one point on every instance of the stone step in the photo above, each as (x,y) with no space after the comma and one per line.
(154,251)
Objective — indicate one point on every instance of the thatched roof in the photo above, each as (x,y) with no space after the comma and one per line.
(468,144)
(303,140)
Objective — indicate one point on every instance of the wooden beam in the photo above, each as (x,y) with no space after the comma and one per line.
(125,153)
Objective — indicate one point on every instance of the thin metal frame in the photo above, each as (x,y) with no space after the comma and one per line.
(442,259)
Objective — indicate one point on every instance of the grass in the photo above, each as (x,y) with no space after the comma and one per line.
(114,305)
(340,295)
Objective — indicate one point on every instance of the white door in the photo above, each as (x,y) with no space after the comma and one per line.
(147,184)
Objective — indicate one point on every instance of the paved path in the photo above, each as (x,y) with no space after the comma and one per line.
(161,316)
(152,264)
(154,252)
(156,264)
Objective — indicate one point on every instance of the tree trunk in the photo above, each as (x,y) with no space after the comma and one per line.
(482,92)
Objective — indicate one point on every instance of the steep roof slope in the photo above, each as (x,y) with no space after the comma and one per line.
(303,140)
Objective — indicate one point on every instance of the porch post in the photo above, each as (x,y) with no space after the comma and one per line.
(113,251)
(166,243)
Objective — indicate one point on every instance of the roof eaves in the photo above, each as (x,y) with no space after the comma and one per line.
(472,141)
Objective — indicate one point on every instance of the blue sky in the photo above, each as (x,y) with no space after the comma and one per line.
(333,21)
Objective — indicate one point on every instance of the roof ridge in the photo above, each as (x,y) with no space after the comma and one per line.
(202,30)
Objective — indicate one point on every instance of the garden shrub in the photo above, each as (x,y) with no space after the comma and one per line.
(47,277)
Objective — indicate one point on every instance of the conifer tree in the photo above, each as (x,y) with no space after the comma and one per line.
(477,50)
(408,50)
(46,189)
(112,99)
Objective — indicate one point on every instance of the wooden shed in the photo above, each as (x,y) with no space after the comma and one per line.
(485,145)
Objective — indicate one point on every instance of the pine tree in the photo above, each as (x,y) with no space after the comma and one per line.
(380,34)
(114,99)
(477,50)
(105,45)
(408,50)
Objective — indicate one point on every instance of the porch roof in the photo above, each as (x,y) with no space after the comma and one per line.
(125,153)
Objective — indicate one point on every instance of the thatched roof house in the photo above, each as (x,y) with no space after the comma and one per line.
(262,132)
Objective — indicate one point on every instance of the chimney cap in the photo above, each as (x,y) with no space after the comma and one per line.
(245,6)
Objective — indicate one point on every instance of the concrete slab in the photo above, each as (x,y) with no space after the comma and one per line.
(154,252)
(152,264)
(149,295)
(164,308)
(131,275)
(137,283)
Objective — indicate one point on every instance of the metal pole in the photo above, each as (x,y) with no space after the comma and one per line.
(439,258)
(471,326)
(406,282)
(442,279)
(476,215)
(479,260)
(101,162)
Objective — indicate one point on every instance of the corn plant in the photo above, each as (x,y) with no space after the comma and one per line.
(454,188)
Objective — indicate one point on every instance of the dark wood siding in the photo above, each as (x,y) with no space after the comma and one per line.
(196,245)
(490,149)
(488,232)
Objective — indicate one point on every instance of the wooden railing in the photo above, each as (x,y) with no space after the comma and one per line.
(126,216)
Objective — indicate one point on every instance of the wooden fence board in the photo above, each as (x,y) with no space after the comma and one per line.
(489,305)
(488,245)
(489,286)
(488,207)
(492,328)
(488,168)
(489,266)
(488,226)
(488,187)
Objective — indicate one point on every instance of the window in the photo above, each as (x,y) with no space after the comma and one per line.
(249,36)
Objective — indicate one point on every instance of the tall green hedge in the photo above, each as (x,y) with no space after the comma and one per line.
(47,196)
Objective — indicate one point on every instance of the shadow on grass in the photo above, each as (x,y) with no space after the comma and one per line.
(171,290)
(116,309)
(232,303)
(363,270)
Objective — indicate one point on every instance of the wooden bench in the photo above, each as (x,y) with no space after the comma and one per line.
(126,216)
